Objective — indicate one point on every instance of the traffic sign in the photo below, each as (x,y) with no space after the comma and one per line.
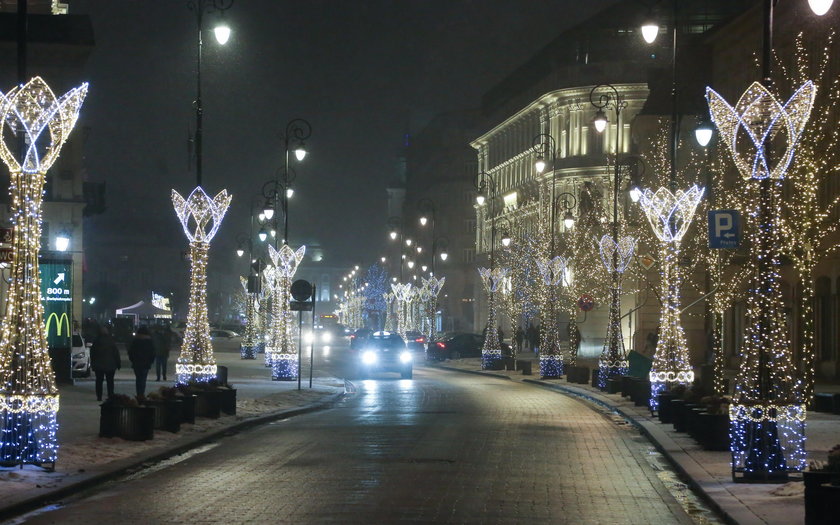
(724,228)
(6,255)
(586,302)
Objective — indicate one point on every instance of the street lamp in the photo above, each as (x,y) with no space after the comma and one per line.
(650,30)
(613,360)
(297,130)
(820,7)
(703,132)
(568,202)
(62,241)
(396,231)
(428,209)
(222,33)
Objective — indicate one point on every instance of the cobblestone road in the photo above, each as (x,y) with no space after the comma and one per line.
(442,448)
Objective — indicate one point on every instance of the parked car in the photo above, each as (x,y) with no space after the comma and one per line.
(384,352)
(223,335)
(358,338)
(80,355)
(415,341)
(456,345)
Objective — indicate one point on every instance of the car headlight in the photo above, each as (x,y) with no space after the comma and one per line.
(308,337)
(369,357)
(405,357)
(80,355)
(326,337)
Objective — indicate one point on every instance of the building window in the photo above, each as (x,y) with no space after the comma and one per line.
(469,226)
(468,255)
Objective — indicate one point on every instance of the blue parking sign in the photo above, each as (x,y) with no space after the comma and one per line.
(724,228)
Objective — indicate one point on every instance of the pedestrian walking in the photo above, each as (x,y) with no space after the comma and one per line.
(105,361)
(141,353)
(162,339)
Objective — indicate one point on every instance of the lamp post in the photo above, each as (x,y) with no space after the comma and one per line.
(395,232)
(297,131)
(491,351)
(200,7)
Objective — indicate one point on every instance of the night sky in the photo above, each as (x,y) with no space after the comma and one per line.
(362,72)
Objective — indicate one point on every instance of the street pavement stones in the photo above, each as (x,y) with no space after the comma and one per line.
(443,448)
(84,459)
(708,472)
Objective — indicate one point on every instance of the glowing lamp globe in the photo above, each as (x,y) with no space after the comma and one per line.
(479,199)
(222,33)
(240,252)
(569,220)
(539,165)
(423,221)
(268,212)
(635,194)
(62,242)
(650,30)
(506,241)
(300,153)
(820,7)
(443,256)
(289,192)
(263,235)
(393,235)
(600,121)
(703,134)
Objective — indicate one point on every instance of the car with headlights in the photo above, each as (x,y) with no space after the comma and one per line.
(384,352)
(415,341)
(80,355)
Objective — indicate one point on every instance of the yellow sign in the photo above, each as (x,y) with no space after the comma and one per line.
(63,320)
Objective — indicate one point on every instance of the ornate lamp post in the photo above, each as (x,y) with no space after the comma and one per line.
(250,340)
(767,414)
(613,360)
(28,395)
(428,212)
(491,351)
(297,132)
(280,351)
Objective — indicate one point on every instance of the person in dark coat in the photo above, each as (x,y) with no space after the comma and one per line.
(105,361)
(141,353)
(164,339)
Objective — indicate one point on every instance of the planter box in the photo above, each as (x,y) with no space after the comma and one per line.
(510,363)
(187,409)
(524,365)
(626,385)
(714,434)
(820,497)
(593,378)
(614,385)
(577,374)
(208,403)
(228,401)
(665,411)
(681,414)
(640,392)
(130,423)
(167,414)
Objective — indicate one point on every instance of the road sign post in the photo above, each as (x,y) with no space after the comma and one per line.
(724,229)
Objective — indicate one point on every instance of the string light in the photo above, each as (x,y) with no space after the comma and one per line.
(250,340)
(29,399)
(765,445)
(670,215)
(616,256)
(433,285)
(280,350)
(491,351)
(200,216)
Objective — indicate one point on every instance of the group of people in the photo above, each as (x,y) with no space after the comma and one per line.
(149,346)
(530,337)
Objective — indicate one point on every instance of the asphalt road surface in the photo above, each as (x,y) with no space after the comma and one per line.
(445,447)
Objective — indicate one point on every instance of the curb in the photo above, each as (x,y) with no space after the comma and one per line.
(730,509)
(133,464)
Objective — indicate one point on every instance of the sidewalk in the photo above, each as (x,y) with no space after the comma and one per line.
(709,473)
(84,459)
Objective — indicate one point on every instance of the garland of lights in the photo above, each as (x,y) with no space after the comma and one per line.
(551,355)
(434,286)
(763,444)
(248,347)
(616,256)
(389,315)
(670,215)
(491,351)
(28,395)
(263,304)
(280,350)
(204,214)
(402,294)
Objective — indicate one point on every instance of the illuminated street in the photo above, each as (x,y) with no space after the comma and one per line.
(444,447)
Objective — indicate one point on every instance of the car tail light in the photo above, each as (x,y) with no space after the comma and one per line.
(441,345)
(352,337)
(420,340)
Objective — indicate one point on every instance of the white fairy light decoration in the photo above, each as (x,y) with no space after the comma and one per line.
(280,351)
(28,396)
(767,414)
(491,351)
(403,295)
(248,347)
(670,215)
(616,256)
(552,360)
(433,285)
(200,216)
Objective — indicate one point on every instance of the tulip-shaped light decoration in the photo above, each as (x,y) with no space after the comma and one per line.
(616,256)
(28,395)
(403,295)
(552,360)
(280,350)
(200,216)
(250,340)
(767,414)
(491,351)
(433,285)
(670,215)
